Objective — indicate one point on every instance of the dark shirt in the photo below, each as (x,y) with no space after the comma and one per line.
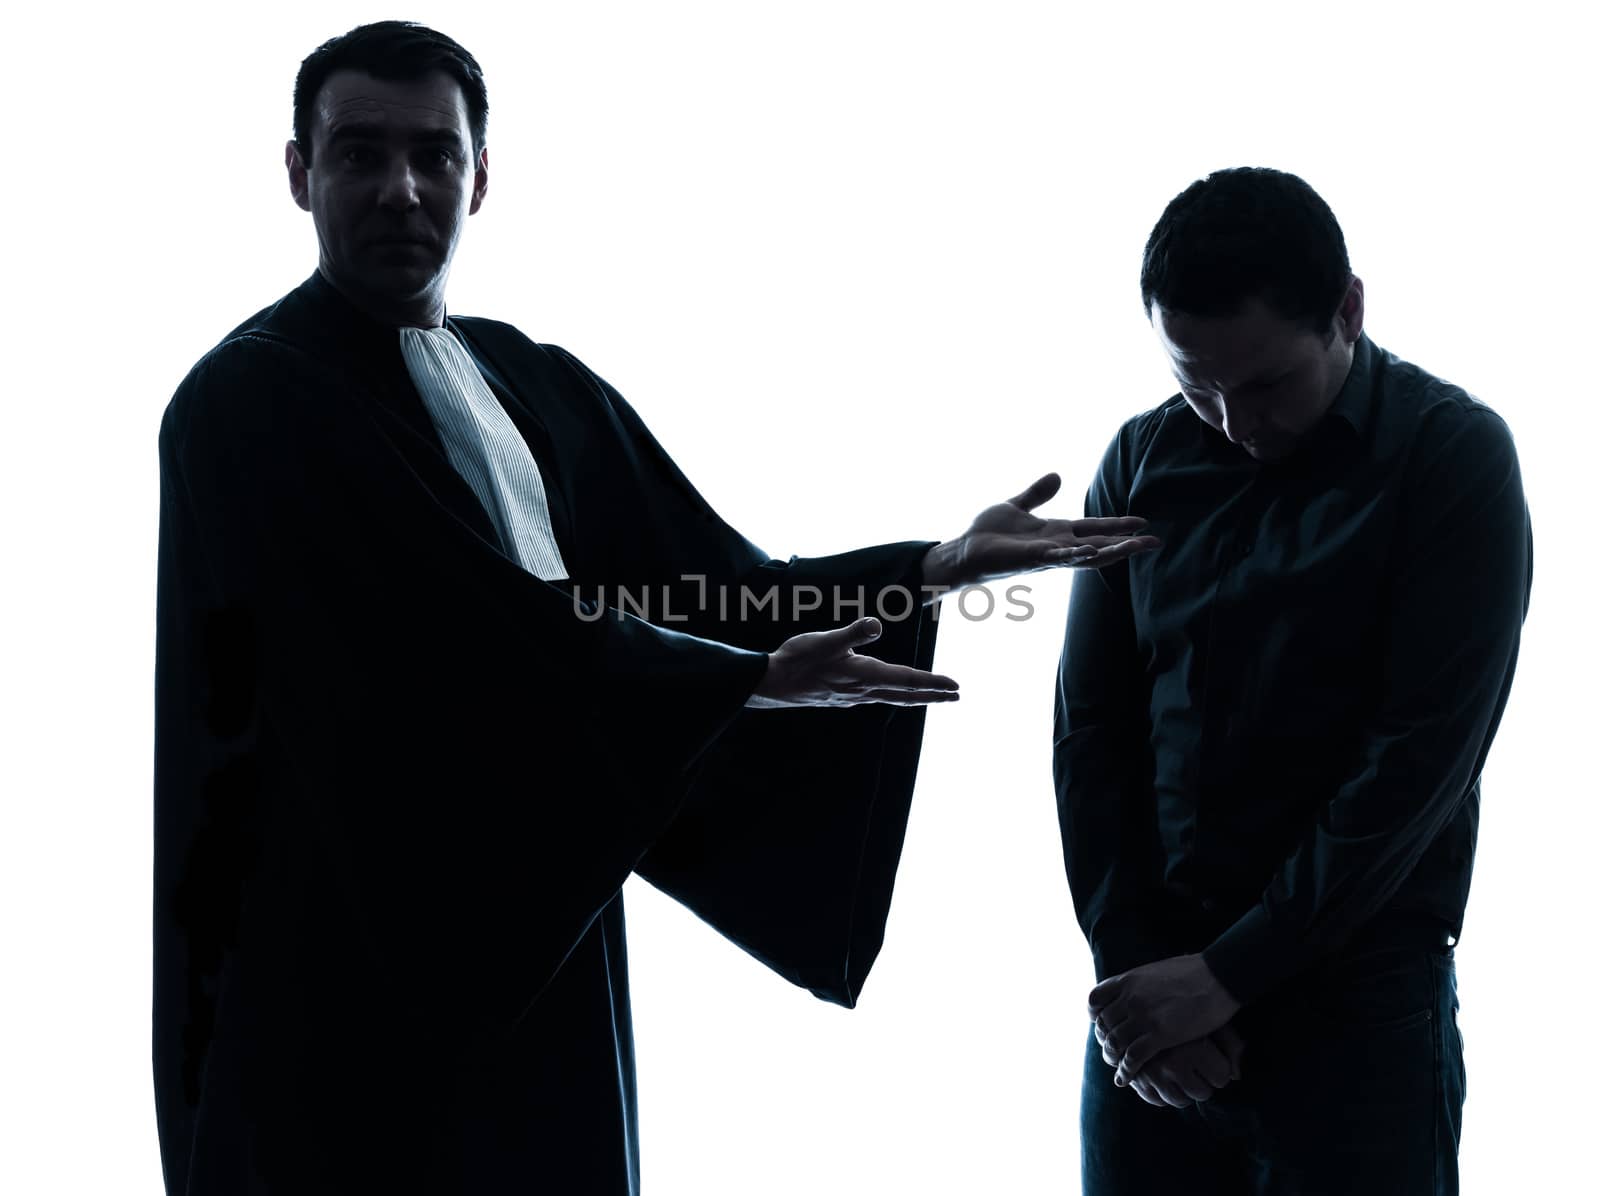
(1269,733)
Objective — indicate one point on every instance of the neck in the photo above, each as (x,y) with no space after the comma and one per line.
(424,311)
(1344,359)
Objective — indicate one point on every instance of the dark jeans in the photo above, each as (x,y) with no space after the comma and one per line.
(1352,1083)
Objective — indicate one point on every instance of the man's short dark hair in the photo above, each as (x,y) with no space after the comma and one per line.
(395,51)
(1243,233)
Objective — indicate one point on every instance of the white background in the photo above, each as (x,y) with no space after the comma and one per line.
(864,268)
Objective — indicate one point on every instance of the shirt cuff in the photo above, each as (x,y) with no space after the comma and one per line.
(1117,953)
(1251,956)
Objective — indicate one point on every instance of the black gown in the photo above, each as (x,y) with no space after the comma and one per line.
(399,781)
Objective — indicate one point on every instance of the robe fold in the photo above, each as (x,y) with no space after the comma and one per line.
(400,781)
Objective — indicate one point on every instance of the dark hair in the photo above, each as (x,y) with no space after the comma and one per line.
(393,51)
(1248,232)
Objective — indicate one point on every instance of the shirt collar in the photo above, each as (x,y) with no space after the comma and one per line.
(1353,404)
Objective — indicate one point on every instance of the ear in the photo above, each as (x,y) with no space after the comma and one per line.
(299,188)
(1352,312)
(480,181)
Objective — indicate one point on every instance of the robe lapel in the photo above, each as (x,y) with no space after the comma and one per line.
(365,367)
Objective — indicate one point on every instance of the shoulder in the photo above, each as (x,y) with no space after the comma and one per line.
(249,386)
(500,337)
(1140,432)
(1136,438)
(509,344)
(241,362)
(1451,432)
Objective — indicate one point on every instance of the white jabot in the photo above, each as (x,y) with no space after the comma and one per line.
(485,447)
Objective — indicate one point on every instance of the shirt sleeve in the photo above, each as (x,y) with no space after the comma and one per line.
(1459,594)
(1103,765)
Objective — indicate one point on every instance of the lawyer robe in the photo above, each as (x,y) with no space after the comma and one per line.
(400,781)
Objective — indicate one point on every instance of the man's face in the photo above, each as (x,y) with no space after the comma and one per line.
(1259,379)
(391,181)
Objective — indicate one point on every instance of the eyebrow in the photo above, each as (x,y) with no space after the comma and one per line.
(1260,378)
(373,132)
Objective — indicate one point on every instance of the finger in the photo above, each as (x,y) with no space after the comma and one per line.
(1041,491)
(1108,1051)
(1114,541)
(1120,525)
(902,697)
(873,673)
(1120,552)
(1139,1052)
(1147,1092)
(1071,554)
(1112,1052)
(1070,531)
(1116,1042)
(1102,994)
(1195,1086)
(1113,1014)
(1042,548)
(1170,1092)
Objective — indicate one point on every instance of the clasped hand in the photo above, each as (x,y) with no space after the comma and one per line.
(1170,1016)
(1189,1072)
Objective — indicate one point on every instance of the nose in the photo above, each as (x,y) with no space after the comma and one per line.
(399,189)
(1239,423)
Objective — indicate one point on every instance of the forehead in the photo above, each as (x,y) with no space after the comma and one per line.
(1229,349)
(402,106)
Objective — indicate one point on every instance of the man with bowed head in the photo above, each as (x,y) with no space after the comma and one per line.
(402,771)
(1269,735)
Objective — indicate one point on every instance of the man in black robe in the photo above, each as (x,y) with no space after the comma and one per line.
(401,778)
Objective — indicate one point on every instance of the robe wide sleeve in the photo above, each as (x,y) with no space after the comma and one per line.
(790,836)
(483,767)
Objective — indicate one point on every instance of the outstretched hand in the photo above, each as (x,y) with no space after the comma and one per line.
(1007,538)
(822,668)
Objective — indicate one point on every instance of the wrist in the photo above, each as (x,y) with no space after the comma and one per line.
(759,698)
(1220,994)
(938,567)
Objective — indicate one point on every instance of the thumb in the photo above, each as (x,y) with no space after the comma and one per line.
(1041,491)
(853,635)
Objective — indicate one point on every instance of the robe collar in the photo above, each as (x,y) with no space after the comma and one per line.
(317,315)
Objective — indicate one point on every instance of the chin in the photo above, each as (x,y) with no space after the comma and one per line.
(401,280)
(1273,452)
